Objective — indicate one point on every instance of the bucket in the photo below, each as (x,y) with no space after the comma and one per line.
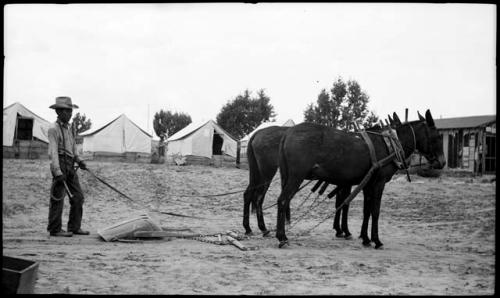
(126,229)
(18,275)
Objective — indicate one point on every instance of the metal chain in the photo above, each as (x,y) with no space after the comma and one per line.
(309,210)
(204,239)
(317,225)
(265,208)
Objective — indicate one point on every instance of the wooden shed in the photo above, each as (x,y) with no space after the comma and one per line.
(469,143)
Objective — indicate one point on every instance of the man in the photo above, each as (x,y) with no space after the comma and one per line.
(63,155)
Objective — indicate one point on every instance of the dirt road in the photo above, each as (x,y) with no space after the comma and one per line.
(438,235)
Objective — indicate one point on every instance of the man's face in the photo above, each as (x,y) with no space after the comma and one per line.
(65,114)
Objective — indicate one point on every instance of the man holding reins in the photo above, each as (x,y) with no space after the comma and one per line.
(63,155)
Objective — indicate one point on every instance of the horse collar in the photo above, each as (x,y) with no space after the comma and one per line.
(370,146)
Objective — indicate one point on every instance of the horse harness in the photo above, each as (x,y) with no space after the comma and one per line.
(393,145)
(396,154)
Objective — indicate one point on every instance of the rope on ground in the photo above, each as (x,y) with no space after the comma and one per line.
(222,194)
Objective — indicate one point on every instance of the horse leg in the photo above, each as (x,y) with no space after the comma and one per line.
(375,211)
(336,221)
(287,215)
(265,182)
(344,192)
(247,199)
(260,214)
(366,219)
(288,191)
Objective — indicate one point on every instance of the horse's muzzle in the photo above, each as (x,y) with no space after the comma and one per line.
(438,163)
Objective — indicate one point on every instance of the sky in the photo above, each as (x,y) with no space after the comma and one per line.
(136,59)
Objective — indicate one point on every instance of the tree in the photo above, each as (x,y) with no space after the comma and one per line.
(81,123)
(166,123)
(244,113)
(346,104)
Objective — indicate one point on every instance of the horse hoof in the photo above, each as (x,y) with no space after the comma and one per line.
(266,233)
(379,246)
(250,233)
(367,243)
(338,235)
(283,243)
(348,237)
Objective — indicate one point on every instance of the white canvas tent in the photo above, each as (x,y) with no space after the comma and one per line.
(245,139)
(119,136)
(204,139)
(22,124)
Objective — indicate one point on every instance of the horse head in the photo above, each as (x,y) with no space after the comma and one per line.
(428,141)
(394,120)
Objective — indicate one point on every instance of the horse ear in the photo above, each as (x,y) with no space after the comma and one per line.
(428,118)
(390,119)
(396,118)
(420,116)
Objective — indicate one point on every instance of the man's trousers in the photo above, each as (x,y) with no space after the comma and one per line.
(57,199)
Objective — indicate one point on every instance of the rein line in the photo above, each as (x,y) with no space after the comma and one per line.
(223,194)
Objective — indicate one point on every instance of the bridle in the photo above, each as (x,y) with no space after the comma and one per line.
(414,138)
(431,158)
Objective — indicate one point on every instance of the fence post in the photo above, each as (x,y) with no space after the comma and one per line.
(238,149)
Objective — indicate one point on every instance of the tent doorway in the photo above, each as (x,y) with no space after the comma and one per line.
(24,129)
(217,144)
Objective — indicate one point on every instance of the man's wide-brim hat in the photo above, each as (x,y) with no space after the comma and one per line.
(63,102)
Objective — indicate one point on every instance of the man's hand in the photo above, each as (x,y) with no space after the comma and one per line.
(60,178)
(82,165)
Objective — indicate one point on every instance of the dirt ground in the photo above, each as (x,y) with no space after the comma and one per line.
(438,235)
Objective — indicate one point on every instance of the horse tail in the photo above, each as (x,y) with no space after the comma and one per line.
(253,169)
(283,165)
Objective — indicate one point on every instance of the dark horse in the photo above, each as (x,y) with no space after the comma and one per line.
(263,159)
(311,151)
(262,155)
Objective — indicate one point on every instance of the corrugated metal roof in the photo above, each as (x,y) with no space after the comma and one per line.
(465,122)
